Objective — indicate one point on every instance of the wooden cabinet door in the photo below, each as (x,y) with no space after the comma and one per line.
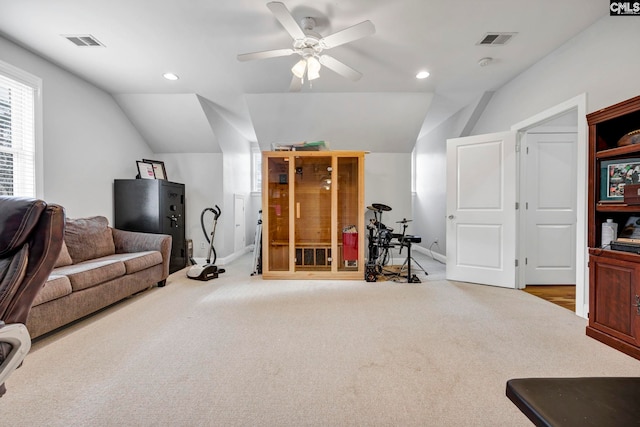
(614,297)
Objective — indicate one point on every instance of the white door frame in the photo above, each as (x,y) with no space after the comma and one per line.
(582,273)
(239,230)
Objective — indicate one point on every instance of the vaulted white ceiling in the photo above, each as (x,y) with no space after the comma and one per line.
(218,98)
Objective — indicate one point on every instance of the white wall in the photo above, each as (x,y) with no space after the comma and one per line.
(387,180)
(429,201)
(430,153)
(212,179)
(601,62)
(253,206)
(87,140)
(237,180)
(236,175)
(201,174)
(597,61)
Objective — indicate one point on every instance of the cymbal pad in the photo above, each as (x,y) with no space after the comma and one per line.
(381,207)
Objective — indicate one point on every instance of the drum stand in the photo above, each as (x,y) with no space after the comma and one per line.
(407,262)
(407,241)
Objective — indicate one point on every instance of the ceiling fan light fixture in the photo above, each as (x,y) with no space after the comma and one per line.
(309,45)
(299,69)
(312,76)
(313,68)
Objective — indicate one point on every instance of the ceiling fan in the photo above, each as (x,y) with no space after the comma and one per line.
(310,46)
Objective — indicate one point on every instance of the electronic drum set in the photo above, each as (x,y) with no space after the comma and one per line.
(381,240)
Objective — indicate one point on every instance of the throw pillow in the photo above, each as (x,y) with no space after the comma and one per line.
(88,238)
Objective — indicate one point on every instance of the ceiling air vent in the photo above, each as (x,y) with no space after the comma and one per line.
(83,40)
(495,39)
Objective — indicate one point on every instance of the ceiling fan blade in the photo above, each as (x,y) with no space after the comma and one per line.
(350,34)
(340,68)
(283,15)
(296,84)
(264,54)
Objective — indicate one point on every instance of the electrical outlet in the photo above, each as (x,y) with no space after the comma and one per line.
(435,240)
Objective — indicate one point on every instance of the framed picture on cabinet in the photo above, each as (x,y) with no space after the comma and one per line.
(158,168)
(145,170)
(614,175)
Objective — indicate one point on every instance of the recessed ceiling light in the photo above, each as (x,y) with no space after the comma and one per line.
(422,75)
(170,76)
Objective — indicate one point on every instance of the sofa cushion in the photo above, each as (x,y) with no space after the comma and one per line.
(55,287)
(88,238)
(92,273)
(137,261)
(64,258)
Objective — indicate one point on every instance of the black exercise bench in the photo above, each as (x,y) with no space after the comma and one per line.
(578,402)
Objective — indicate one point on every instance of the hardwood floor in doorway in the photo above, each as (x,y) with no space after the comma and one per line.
(562,295)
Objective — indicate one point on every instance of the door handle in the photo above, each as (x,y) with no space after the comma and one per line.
(451,217)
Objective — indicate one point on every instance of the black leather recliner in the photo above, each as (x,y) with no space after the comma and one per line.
(31,233)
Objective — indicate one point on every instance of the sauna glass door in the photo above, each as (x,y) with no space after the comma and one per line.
(348,213)
(313,183)
(277,242)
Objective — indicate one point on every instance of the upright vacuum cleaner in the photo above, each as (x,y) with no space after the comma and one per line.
(209,270)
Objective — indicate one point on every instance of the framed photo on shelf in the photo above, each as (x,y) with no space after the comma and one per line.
(614,175)
(158,168)
(145,170)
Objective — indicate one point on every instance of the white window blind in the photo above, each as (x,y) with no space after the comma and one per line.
(17,138)
(257,171)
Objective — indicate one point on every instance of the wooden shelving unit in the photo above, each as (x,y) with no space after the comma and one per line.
(308,199)
(614,276)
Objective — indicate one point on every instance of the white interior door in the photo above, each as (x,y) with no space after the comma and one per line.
(550,234)
(481,209)
(239,221)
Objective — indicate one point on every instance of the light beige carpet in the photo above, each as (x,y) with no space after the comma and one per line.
(241,351)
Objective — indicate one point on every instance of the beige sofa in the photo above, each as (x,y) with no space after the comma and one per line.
(98,266)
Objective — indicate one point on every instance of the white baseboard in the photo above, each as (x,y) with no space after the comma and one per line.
(435,255)
(229,258)
(220,261)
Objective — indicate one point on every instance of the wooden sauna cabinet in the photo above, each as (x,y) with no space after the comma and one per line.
(313,215)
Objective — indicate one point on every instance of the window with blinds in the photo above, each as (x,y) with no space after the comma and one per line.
(17,138)
(256,158)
